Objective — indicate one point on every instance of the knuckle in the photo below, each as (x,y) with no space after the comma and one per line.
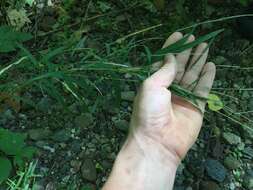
(191,38)
(148,83)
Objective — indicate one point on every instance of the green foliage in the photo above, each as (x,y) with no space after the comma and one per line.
(104,7)
(244,2)
(5,168)
(13,145)
(214,102)
(18,18)
(30,2)
(80,69)
(9,39)
(64,78)
(181,45)
(25,179)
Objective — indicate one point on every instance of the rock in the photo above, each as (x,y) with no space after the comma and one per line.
(89,170)
(180,169)
(74,108)
(209,185)
(248,181)
(216,132)
(248,132)
(215,170)
(63,145)
(6,117)
(179,188)
(248,152)
(128,95)
(250,104)
(232,163)
(122,125)
(197,168)
(37,186)
(216,2)
(217,149)
(47,23)
(51,186)
(22,116)
(65,179)
(62,135)
(106,164)
(44,104)
(232,138)
(220,60)
(84,121)
(89,187)
(76,165)
(8,114)
(76,145)
(232,186)
(39,134)
(241,146)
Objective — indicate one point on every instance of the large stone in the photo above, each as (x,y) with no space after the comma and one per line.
(89,170)
(84,121)
(51,186)
(128,95)
(232,163)
(122,125)
(45,104)
(215,170)
(209,185)
(89,187)
(62,135)
(39,134)
(37,186)
(231,138)
(76,165)
(248,152)
(248,181)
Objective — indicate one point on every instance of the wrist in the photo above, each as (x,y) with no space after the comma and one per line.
(142,165)
(150,150)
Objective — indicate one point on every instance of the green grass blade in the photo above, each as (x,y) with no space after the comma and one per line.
(181,46)
(3,70)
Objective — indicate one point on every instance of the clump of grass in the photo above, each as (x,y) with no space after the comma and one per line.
(51,73)
(25,179)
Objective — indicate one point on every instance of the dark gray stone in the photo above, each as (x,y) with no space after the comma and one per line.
(62,135)
(89,170)
(44,104)
(39,134)
(128,95)
(248,151)
(122,125)
(84,121)
(231,138)
(215,170)
(248,181)
(232,163)
(209,185)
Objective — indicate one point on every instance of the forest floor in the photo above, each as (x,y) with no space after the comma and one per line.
(77,143)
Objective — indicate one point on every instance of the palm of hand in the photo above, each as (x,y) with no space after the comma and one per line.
(169,120)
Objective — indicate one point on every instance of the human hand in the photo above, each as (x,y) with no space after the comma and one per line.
(170,123)
(163,126)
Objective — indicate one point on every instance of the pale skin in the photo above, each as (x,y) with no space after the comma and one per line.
(163,126)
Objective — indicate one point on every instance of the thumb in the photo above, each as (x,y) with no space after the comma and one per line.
(166,74)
